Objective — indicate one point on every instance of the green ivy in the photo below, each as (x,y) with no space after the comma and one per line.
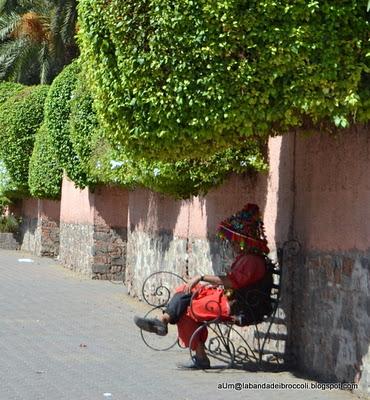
(57,121)
(45,174)
(85,133)
(20,117)
(182,79)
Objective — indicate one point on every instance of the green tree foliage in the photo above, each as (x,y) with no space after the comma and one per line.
(103,164)
(185,79)
(57,120)
(36,39)
(20,117)
(45,174)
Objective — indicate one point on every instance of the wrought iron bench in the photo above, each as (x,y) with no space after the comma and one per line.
(227,344)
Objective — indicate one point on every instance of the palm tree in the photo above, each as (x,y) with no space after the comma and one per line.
(36,39)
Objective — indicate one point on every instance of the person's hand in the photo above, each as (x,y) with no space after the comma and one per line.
(191,283)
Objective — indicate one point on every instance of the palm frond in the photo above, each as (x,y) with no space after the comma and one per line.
(47,27)
(8,23)
(20,62)
(45,64)
(67,27)
(9,53)
(2,5)
(7,5)
(26,61)
(40,7)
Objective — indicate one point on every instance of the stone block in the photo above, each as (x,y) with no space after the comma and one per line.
(117,261)
(347,265)
(8,241)
(337,275)
(102,236)
(102,229)
(100,259)
(328,266)
(100,247)
(100,268)
(316,262)
(115,269)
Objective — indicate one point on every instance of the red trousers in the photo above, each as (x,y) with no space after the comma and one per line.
(208,303)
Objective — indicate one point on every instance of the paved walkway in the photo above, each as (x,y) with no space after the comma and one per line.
(64,337)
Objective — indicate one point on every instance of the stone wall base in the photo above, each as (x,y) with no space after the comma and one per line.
(331,317)
(50,238)
(9,241)
(30,232)
(40,236)
(109,253)
(76,241)
(96,251)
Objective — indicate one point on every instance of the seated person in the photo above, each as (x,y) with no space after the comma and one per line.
(245,231)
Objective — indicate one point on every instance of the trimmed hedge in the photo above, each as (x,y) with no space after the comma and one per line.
(8,89)
(57,121)
(182,79)
(6,186)
(45,174)
(20,117)
(84,128)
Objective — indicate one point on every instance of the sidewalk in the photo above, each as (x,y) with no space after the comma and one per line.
(65,337)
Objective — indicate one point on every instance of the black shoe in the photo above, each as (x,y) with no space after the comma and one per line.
(152,325)
(196,363)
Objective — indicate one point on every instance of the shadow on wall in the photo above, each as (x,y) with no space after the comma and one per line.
(225,201)
(155,214)
(111,206)
(109,251)
(157,237)
(29,236)
(285,241)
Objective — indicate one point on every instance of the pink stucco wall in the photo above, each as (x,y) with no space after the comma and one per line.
(50,209)
(111,206)
(36,208)
(333,191)
(103,205)
(30,208)
(77,206)
(149,211)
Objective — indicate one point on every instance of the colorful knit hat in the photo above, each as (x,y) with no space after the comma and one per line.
(246,228)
